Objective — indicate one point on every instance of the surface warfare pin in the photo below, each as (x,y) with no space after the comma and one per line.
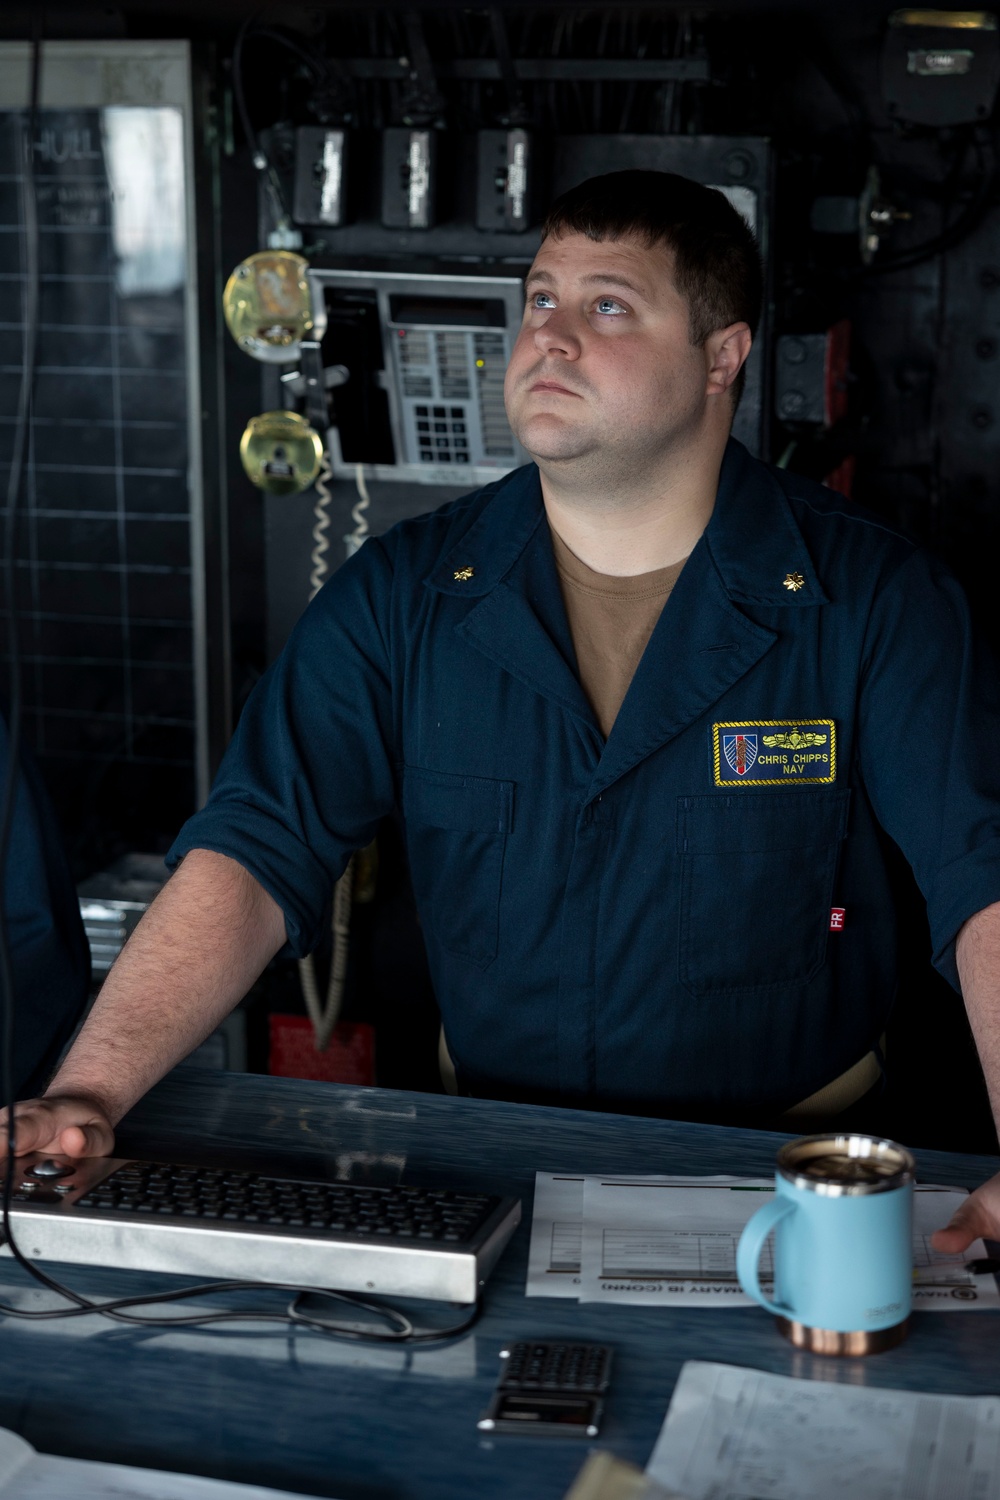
(774,752)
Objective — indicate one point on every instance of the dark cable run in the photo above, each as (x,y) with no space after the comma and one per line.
(259,157)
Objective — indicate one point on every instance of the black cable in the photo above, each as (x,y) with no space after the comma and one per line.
(953,234)
(258,155)
(421,100)
(426,1336)
(294,1316)
(516,112)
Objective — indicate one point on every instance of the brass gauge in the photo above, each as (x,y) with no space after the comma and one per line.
(266,305)
(281,453)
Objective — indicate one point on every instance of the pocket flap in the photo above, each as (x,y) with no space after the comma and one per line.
(761,822)
(465,804)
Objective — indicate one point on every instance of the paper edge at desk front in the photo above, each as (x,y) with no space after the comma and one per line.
(43,1477)
(15,1455)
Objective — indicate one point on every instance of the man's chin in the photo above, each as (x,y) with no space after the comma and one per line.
(552,442)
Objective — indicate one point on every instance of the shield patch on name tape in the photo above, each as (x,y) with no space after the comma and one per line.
(774,752)
(740,751)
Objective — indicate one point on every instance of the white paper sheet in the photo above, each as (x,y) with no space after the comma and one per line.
(738,1434)
(556,1236)
(655,1243)
(46,1478)
(557,1230)
(15,1453)
(669,1241)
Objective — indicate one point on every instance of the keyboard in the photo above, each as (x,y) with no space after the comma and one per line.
(216,1223)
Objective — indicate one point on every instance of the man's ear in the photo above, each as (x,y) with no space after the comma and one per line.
(726,352)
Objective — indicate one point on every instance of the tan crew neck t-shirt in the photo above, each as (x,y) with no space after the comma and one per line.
(611,620)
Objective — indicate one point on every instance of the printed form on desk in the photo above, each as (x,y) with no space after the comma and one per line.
(28,1475)
(671,1241)
(738,1434)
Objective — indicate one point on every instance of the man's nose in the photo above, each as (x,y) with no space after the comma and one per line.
(558,335)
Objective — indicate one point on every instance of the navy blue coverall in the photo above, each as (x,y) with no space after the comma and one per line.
(643,923)
(49,956)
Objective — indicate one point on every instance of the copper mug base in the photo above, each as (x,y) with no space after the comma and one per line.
(829,1341)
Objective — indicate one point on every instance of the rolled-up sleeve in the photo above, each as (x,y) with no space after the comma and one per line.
(929,734)
(310,770)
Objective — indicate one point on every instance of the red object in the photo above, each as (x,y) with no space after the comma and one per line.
(842,477)
(835,372)
(350,1057)
(837,915)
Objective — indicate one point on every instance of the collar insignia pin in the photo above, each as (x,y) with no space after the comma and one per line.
(793,582)
(462,575)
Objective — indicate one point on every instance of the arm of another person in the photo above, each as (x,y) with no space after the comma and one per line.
(191,959)
(977,955)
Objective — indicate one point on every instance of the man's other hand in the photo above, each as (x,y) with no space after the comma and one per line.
(63,1124)
(977,1218)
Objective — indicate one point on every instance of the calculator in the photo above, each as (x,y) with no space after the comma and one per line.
(554,1389)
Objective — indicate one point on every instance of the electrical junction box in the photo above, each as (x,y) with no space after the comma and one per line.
(320,176)
(504,180)
(941,67)
(409,178)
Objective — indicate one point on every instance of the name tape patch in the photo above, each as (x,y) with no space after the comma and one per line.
(774,752)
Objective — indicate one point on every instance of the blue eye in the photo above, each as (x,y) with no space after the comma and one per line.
(608,305)
(542,300)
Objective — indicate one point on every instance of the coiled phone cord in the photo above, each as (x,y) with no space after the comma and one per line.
(325,1013)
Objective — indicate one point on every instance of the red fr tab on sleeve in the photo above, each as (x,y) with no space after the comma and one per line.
(837,915)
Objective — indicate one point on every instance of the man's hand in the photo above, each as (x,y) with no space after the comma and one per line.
(977,1218)
(977,955)
(63,1124)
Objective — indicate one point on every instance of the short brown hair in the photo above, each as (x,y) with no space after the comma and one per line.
(717,265)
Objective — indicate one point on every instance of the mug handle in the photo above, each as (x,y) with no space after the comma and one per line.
(751,1244)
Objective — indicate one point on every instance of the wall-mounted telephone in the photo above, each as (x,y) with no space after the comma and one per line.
(425,356)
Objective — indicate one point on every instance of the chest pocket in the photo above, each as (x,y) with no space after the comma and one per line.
(757,873)
(456,835)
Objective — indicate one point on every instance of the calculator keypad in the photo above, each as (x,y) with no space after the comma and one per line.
(556,1367)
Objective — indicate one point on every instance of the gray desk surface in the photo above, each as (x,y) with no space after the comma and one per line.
(306,1414)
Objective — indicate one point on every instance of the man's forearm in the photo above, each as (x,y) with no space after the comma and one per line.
(191,959)
(977,954)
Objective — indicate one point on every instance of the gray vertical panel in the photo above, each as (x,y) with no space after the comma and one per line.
(98,78)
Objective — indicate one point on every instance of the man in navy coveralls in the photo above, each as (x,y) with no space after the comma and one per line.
(679,904)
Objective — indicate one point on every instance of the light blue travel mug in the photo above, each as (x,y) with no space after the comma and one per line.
(842,1218)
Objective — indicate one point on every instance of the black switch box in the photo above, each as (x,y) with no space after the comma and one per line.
(505,180)
(320,176)
(938,72)
(409,178)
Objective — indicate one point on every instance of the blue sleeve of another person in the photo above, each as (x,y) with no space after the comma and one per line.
(50,960)
(310,771)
